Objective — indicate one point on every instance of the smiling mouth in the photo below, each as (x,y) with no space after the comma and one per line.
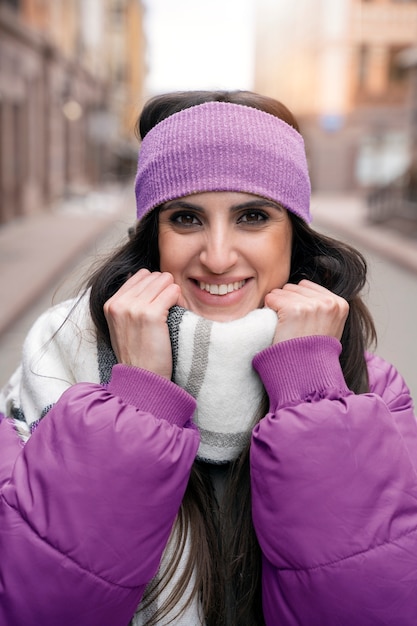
(221,290)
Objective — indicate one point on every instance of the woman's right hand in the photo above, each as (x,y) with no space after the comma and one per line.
(137,318)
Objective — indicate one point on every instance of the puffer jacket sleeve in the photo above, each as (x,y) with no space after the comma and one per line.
(88,503)
(334,490)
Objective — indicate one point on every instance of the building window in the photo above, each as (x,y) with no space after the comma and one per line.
(363,67)
(396,73)
(382,158)
(14,4)
(118,11)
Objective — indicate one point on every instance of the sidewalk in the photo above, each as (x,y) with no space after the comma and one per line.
(346,216)
(36,250)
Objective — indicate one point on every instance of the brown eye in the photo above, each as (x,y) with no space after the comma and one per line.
(253,217)
(184,219)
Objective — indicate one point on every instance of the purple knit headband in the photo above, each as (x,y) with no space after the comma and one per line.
(219,146)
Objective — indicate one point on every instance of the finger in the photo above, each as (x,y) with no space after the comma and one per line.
(133,279)
(159,306)
(296,300)
(288,303)
(308,288)
(146,285)
(153,286)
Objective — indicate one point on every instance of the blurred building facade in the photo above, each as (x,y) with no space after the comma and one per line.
(336,64)
(71,81)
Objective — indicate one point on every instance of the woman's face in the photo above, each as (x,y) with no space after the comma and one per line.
(226,251)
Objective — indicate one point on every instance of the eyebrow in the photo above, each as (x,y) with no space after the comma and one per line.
(250,204)
(179,204)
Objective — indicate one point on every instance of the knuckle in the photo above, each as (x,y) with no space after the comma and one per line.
(115,307)
(109,307)
(167,276)
(343,305)
(143,272)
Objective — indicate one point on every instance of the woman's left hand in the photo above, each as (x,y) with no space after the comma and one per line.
(307,309)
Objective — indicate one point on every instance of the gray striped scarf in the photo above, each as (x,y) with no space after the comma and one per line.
(213,362)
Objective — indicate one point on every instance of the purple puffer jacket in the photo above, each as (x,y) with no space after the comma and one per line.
(88,503)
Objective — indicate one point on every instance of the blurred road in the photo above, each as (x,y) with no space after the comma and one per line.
(43,259)
(392,282)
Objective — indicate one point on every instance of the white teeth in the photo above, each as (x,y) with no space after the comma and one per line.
(223,289)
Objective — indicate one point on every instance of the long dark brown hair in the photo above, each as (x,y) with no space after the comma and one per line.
(224,551)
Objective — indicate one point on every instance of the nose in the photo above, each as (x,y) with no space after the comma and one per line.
(218,253)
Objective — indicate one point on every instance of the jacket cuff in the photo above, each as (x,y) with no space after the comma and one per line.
(151,393)
(300,368)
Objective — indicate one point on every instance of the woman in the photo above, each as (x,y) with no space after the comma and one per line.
(207,441)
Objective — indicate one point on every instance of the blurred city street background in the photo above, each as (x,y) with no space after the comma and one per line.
(74,76)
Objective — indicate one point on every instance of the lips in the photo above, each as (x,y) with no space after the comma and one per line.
(222,289)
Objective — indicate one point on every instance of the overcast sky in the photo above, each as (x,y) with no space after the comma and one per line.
(199,44)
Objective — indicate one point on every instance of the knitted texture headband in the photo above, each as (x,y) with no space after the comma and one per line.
(220,146)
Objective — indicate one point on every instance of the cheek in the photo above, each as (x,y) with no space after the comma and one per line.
(278,261)
(173,253)
(167,251)
(167,262)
